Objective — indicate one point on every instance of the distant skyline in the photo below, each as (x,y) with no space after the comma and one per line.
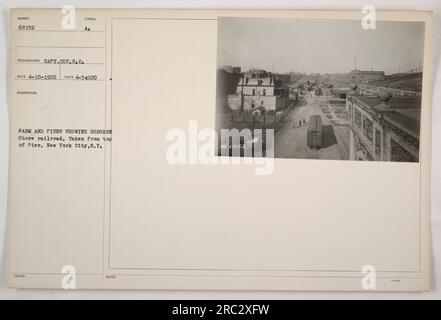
(319,46)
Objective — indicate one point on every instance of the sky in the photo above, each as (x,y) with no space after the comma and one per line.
(319,46)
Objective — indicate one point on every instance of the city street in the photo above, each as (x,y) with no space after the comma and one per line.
(290,141)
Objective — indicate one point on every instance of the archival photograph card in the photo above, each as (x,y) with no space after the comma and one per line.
(186,149)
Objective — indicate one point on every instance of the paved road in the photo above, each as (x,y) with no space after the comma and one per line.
(290,140)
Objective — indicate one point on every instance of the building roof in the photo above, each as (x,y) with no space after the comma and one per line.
(393,103)
(406,121)
(403,112)
(403,81)
(367,72)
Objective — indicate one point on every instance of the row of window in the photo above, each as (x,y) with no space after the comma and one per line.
(254,92)
(367,127)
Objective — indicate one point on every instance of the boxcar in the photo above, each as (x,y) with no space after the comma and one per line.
(315,133)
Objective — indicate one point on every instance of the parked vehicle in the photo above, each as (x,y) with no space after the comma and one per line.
(314,134)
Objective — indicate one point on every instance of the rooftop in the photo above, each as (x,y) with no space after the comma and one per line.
(367,72)
(406,121)
(403,81)
(403,112)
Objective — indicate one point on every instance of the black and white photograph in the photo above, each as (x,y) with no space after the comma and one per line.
(325,89)
(194,152)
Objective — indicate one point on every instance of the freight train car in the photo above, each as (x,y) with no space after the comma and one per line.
(315,133)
